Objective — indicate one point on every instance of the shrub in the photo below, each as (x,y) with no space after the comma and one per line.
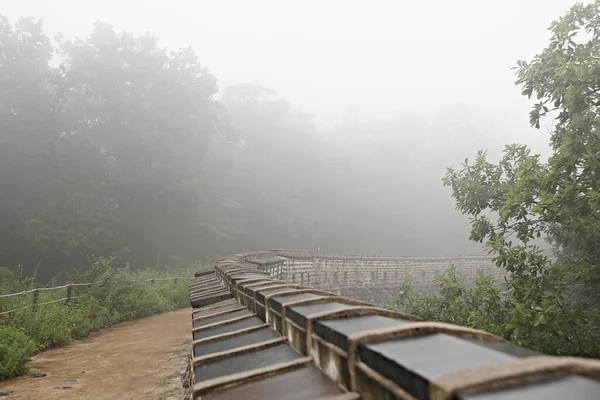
(15,349)
(494,307)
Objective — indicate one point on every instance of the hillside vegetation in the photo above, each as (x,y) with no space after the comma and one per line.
(118,294)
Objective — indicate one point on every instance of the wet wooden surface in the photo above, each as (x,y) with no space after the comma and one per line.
(234,326)
(336,331)
(230,343)
(298,314)
(278,301)
(301,384)
(226,305)
(416,361)
(566,387)
(256,359)
(227,314)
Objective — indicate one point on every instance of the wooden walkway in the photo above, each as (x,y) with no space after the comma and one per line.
(256,337)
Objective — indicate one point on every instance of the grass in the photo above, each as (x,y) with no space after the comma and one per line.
(120,295)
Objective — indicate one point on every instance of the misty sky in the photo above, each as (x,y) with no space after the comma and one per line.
(329,56)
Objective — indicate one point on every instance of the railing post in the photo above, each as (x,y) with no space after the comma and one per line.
(69,292)
(36,295)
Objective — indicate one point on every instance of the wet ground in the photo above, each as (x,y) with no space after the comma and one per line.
(143,359)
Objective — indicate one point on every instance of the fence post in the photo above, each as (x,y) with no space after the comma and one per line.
(69,291)
(151,282)
(36,295)
(174,281)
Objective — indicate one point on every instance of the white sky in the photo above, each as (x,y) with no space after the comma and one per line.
(327,56)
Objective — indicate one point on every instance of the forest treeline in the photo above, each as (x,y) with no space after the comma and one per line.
(116,146)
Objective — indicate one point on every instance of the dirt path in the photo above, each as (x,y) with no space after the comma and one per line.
(143,359)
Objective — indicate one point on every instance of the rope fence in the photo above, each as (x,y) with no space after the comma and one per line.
(69,288)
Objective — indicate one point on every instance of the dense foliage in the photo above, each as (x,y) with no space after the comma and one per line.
(480,305)
(119,295)
(550,301)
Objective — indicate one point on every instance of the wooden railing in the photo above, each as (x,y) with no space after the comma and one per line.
(69,292)
(258,336)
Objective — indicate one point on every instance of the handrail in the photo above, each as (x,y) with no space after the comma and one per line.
(39,304)
(377,359)
(69,286)
(42,289)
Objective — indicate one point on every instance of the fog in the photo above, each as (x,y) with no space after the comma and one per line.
(329,57)
(367,104)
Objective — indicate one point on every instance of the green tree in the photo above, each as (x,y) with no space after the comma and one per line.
(552,298)
(101,154)
(51,214)
(149,113)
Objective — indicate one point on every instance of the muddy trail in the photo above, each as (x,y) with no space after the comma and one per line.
(143,359)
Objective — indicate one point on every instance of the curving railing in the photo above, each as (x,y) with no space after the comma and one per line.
(259,337)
